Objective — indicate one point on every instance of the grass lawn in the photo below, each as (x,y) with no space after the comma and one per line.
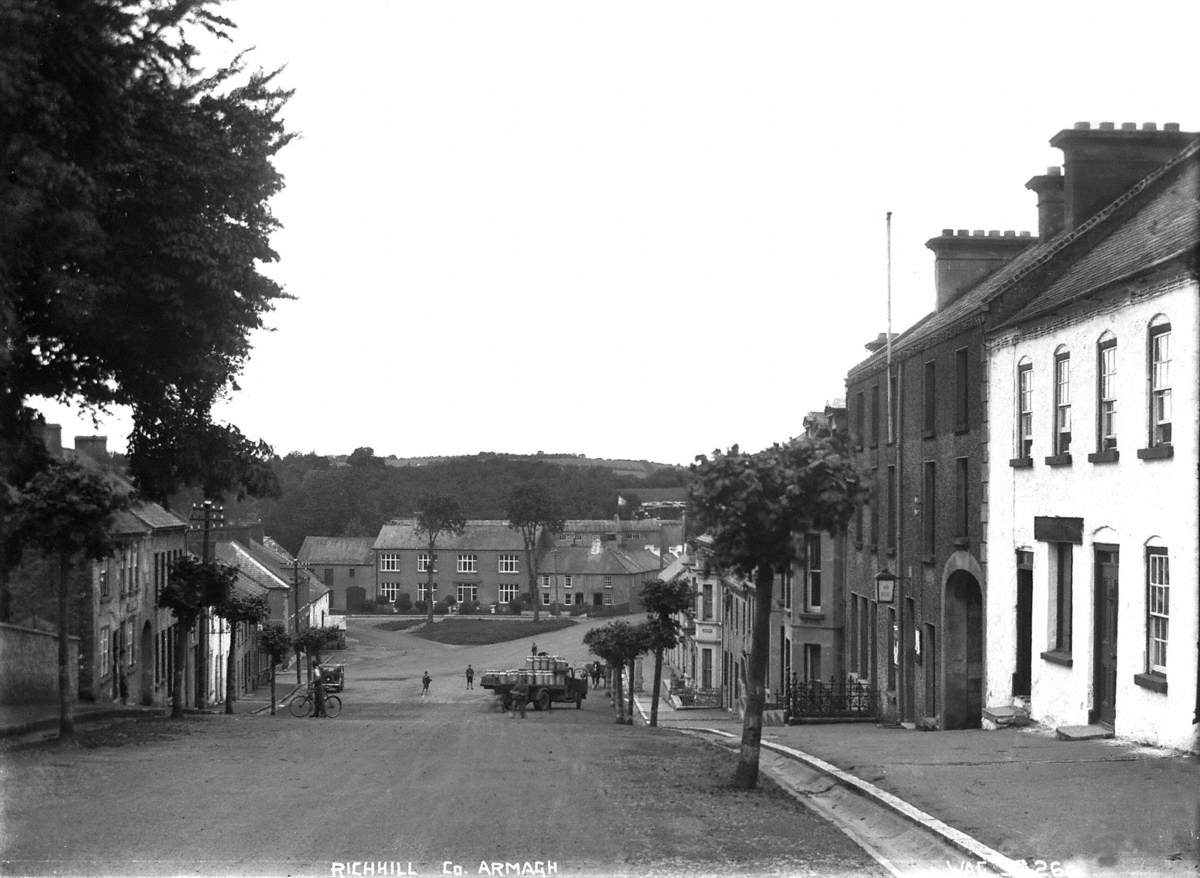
(473,632)
(399,624)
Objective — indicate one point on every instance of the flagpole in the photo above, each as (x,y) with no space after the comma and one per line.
(891,437)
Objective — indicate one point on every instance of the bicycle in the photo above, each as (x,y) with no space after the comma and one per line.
(303,704)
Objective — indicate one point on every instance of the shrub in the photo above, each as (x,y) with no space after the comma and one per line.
(419,607)
(403,603)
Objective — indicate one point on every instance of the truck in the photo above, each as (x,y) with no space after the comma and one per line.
(549,679)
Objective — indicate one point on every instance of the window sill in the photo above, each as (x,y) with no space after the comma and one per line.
(962,542)
(929,434)
(1110,456)
(1021,462)
(1156,452)
(1058,658)
(1059,460)
(811,616)
(1153,682)
(960,429)
(927,559)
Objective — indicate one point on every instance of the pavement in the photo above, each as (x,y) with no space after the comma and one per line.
(1015,801)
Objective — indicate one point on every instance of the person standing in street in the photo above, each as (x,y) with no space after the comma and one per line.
(425,681)
(318,692)
(520,694)
(470,677)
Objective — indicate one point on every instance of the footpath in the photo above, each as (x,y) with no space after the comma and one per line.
(1012,801)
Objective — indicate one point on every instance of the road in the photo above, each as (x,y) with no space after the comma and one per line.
(420,785)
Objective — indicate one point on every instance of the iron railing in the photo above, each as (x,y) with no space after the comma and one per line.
(837,699)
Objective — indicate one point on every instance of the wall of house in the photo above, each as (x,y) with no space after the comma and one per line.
(29,665)
(1128,503)
(487,578)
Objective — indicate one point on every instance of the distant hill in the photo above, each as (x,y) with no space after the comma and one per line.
(620,468)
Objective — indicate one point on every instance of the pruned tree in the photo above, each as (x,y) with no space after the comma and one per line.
(238,609)
(758,508)
(192,586)
(310,642)
(438,515)
(64,511)
(532,511)
(135,221)
(663,602)
(276,643)
(618,644)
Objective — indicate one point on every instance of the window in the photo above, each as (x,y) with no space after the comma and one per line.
(1106,404)
(876,421)
(1160,382)
(706,602)
(105,650)
(786,585)
(608,599)
(423,562)
(608,582)
(1062,402)
(104,578)
(1025,409)
(706,668)
(545,599)
(1158,605)
(508,592)
(962,507)
(421,591)
(1060,611)
(389,562)
(893,410)
(930,419)
(127,630)
(874,496)
(510,564)
(389,590)
(813,552)
(328,576)
(891,507)
(961,389)
(466,592)
(568,581)
(351,571)
(929,506)
(468,563)
(859,420)
(859,515)
(545,580)
(893,649)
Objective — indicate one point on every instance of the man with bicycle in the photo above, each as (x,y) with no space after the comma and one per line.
(318,692)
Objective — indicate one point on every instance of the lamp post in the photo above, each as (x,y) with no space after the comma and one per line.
(889,589)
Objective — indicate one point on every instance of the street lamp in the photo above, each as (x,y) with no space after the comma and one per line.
(885,586)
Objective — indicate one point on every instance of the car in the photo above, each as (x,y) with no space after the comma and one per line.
(335,677)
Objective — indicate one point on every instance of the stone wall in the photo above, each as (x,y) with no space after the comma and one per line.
(29,665)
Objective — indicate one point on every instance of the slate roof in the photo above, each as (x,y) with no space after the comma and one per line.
(142,516)
(1161,223)
(337,550)
(278,560)
(479,535)
(609,562)
(1104,267)
(253,577)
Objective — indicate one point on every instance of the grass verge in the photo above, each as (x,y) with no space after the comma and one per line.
(475,632)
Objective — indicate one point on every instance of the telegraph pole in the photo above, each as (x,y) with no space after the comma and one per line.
(295,565)
(209,515)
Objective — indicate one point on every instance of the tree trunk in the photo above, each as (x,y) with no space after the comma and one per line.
(618,694)
(180,660)
(746,776)
(231,668)
(658,659)
(273,663)
(632,667)
(429,585)
(534,600)
(66,722)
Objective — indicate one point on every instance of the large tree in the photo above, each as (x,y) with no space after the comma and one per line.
(438,515)
(619,643)
(134,225)
(664,601)
(532,510)
(65,511)
(758,508)
(276,643)
(192,586)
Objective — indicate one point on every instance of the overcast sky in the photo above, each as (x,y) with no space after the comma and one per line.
(645,229)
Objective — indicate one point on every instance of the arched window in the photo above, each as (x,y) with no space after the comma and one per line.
(1160,381)
(1106,393)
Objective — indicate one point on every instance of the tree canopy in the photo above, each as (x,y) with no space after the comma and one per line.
(134,224)
(531,509)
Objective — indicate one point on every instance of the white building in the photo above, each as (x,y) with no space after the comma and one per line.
(1092,522)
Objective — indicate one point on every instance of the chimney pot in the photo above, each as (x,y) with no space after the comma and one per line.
(1083,126)
(95,447)
(1009,233)
(1107,126)
(977,233)
(948,233)
(993,233)
(1129,126)
(1054,171)
(962,233)
(1025,235)
(1171,126)
(1149,126)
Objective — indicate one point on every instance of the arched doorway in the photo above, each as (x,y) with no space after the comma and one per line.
(146,666)
(963,651)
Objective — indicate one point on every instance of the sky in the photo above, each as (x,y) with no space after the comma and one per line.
(642,230)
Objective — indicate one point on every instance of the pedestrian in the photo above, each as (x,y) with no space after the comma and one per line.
(318,692)
(425,681)
(534,650)
(470,677)
(520,694)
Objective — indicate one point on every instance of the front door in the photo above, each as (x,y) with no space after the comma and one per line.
(1105,673)
(1021,682)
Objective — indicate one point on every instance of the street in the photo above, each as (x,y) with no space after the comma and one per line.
(406,784)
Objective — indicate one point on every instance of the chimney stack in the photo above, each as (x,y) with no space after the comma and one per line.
(51,436)
(1051,204)
(95,447)
(963,259)
(1102,163)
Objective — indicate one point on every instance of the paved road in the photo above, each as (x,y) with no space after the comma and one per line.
(434,782)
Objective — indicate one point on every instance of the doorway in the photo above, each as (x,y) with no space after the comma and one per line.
(1104,676)
(963,644)
(1022,684)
